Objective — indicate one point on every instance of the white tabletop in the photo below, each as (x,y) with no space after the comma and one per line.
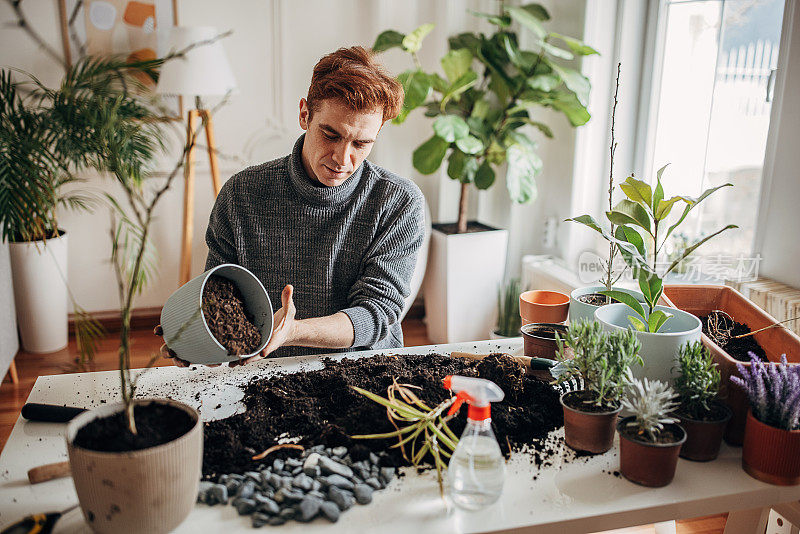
(574,495)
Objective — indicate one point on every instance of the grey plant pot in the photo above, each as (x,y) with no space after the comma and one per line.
(658,349)
(580,311)
(184,325)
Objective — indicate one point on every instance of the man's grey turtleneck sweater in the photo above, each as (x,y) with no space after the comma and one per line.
(350,248)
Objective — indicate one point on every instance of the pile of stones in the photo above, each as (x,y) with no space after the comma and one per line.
(322,482)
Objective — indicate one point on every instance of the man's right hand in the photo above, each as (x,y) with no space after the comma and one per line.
(166,352)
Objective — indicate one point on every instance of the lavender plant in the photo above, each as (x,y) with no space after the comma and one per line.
(773,390)
(698,382)
(600,359)
(650,401)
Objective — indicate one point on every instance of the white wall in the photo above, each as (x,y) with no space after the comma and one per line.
(272,51)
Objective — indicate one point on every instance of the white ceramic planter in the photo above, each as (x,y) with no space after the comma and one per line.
(580,311)
(658,349)
(39,272)
(146,491)
(185,328)
(461,282)
(9,340)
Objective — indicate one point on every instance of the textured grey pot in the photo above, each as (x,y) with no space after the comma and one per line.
(580,311)
(658,349)
(184,325)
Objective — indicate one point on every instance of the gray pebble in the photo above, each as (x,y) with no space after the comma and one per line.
(246,490)
(236,476)
(267,506)
(259,520)
(374,482)
(329,466)
(277,521)
(309,508)
(316,485)
(297,470)
(339,451)
(312,471)
(317,448)
(373,458)
(387,474)
(330,511)
(244,506)
(343,499)
(278,464)
(287,513)
(317,493)
(285,473)
(218,494)
(202,490)
(286,482)
(337,480)
(287,495)
(222,479)
(232,485)
(361,471)
(274,481)
(293,462)
(303,482)
(255,476)
(363,493)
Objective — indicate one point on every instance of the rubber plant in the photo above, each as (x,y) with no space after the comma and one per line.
(484,100)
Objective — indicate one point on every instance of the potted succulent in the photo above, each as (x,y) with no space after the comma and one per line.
(700,413)
(602,362)
(650,440)
(771,448)
(642,218)
(508,318)
(481,108)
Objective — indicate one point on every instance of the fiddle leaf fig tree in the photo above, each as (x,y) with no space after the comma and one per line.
(482,103)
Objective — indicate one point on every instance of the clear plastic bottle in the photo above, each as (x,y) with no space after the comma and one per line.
(476,472)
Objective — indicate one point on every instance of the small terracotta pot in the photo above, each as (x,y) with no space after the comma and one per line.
(703,438)
(771,454)
(540,306)
(539,339)
(648,464)
(588,431)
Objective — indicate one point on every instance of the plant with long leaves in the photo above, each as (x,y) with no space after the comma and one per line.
(421,431)
(773,390)
(650,401)
(600,359)
(508,318)
(641,218)
(480,112)
(698,380)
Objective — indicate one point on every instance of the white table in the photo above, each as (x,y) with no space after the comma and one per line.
(572,496)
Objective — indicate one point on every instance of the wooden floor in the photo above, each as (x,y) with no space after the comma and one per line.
(145,344)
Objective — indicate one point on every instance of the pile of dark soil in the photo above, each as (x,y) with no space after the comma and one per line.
(319,407)
(597,299)
(227,318)
(738,348)
(156,424)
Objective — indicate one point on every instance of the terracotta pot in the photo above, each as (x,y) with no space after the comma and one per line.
(588,431)
(703,438)
(771,454)
(540,306)
(146,491)
(539,339)
(700,300)
(648,464)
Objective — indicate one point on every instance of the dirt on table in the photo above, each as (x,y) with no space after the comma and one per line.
(319,407)
(740,348)
(227,317)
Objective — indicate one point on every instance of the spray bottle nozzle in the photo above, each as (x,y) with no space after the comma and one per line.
(477,392)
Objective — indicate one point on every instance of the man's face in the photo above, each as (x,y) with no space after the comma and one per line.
(337,139)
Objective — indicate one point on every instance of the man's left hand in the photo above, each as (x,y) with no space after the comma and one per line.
(283,326)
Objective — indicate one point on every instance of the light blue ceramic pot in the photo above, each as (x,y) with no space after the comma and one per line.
(658,349)
(580,311)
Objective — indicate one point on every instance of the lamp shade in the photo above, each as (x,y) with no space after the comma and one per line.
(202,71)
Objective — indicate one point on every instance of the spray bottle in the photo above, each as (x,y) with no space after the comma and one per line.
(476,471)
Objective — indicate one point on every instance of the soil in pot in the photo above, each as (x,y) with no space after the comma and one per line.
(227,318)
(740,348)
(156,424)
(596,299)
(319,407)
(539,339)
(704,432)
(588,427)
(472,227)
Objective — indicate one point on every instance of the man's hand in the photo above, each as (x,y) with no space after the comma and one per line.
(283,326)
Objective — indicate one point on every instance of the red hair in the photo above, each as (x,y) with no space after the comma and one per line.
(352,76)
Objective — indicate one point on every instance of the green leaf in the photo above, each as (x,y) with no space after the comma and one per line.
(587,220)
(575,82)
(637,191)
(657,320)
(664,206)
(568,104)
(576,45)
(658,192)
(514,54)
(523,166)
(542,127)
(456,63)
(527,19)
(467,80)
(651,287)
(625,298)
(484,177)
(503,21)
(691,249)
(628,212)
(413,41)
(417,87)
(496,153)
(450,127)
(537,11)
(691,203)
(469,145)
(387,40)
(632,237)
(461,167)
(429,155)
(438,83)
(637,323)
(556,51)
(543,82)
(466,40)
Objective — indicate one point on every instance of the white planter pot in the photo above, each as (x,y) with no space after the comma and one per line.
(9,340)
(579,311)
(145,491)
(39,271)
(658,349)
(461,283)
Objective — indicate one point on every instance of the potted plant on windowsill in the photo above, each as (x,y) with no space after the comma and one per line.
(700,412)
(602,362)
(650,440)
(642,220)
(480,114)
(508,318)
(771,448)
